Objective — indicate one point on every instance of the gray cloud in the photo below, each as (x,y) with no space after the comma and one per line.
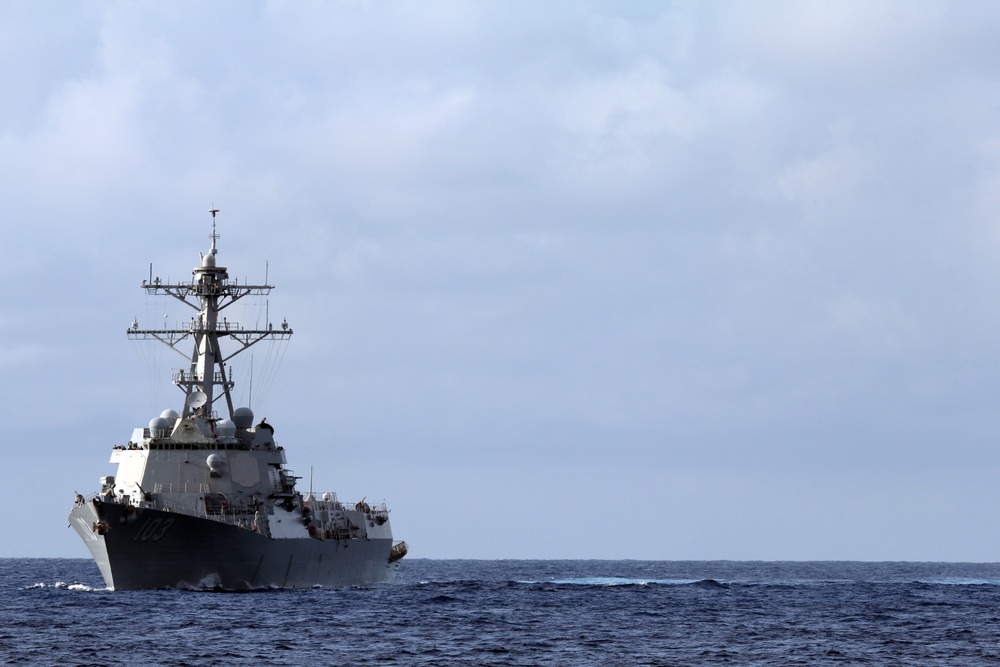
(718,276)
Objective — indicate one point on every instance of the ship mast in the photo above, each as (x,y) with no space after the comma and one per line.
(209,292)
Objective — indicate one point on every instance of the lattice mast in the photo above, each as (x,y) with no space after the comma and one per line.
(209,292)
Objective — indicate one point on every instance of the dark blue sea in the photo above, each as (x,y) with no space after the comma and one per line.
(460,612)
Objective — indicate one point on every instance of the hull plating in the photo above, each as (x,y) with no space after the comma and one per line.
(137,549)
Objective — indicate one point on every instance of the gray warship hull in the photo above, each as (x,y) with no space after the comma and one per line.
(139,548)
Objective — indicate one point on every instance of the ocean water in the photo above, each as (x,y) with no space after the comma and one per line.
(452,612)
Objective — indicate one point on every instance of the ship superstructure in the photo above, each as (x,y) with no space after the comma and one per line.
(201,500)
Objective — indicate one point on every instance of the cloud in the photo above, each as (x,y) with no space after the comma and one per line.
(21,355)
(685,237)
(818,180)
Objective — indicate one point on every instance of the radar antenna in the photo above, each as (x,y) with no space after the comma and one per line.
(208,293)
(215,235)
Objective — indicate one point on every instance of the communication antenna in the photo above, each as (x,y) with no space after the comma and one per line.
(250,397)
(215,236)
(197,399)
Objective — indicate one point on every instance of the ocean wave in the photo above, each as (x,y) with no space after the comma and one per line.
(64,586)
(959,581)
(627,581)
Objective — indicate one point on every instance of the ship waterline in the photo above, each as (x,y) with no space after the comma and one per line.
(151,549)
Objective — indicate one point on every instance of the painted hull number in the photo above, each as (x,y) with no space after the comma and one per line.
(153,530)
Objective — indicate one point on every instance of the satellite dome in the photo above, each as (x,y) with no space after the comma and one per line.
(208,260)
(225,428)
(215,462)
(243,417)
(158,426)
(170,415)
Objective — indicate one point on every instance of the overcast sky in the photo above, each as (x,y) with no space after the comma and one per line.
(575,279)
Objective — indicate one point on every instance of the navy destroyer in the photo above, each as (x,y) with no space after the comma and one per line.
(204,501)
